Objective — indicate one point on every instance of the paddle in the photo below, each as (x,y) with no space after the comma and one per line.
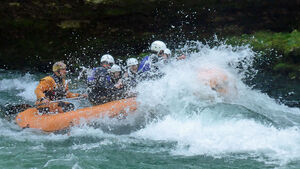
(15,109)
(61,100)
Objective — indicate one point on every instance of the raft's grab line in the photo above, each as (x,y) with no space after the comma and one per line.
(54,122)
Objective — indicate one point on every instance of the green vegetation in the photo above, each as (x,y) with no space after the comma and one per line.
(36,33)
(287,45)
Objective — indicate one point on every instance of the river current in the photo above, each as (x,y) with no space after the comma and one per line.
(180,122)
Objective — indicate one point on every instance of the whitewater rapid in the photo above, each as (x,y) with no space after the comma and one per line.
(179,109)
(203,122)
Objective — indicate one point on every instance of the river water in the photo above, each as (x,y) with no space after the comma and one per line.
(180,122)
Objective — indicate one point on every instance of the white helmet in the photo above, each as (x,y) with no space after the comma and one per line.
(157,46)
(115,68)
(132,61)
(107,58)
(167,51)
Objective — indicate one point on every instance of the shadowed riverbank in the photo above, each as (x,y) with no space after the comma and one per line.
(35,33)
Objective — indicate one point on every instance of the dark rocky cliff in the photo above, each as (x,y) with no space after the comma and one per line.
(34,33)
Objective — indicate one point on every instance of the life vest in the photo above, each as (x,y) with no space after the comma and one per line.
(131,74)
(91,77)
(59,90)
(149,63)
(131,79)
(108,78)
(145,64)
(99,91)
(115,80)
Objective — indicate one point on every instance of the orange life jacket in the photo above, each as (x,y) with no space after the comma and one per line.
(52,89)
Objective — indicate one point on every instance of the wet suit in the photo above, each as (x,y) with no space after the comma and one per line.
(117,94)
(101,87)
(130,81)
(53,88)
(149,68)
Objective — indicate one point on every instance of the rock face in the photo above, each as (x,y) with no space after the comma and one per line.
(34,33)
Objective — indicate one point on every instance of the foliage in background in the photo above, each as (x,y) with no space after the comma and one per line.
(284,44)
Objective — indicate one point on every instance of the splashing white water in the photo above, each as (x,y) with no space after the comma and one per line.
(25,85)
(205,137)
(200,131)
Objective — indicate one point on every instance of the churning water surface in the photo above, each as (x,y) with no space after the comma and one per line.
(180,122)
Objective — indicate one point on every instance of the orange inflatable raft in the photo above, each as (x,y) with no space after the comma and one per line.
(216,78)
(54,122)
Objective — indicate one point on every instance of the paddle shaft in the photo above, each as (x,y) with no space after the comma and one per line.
(61,100)
(15,109)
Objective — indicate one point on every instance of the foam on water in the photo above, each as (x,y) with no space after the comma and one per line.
(204,136)
(13,132)
(181,100)
(25,85)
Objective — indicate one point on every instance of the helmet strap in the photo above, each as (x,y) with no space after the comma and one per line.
(57,73)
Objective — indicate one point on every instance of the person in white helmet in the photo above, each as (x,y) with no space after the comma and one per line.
(167,53)
(149,67)
(131,75)
(100,83)
(132,66)
(106,62)
(116,76)
(117,91)
(157,49)
(115,73)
